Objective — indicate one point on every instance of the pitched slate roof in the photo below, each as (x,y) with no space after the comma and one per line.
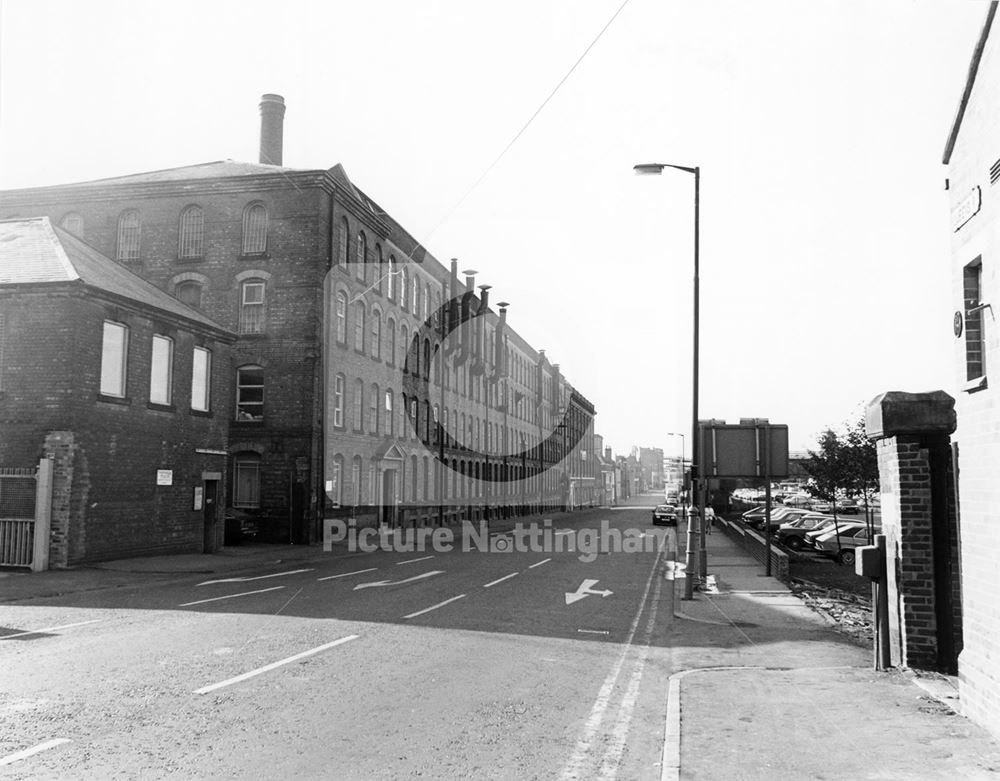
(214,170)
(33,251)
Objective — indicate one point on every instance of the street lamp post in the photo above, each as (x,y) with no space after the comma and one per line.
(657,168)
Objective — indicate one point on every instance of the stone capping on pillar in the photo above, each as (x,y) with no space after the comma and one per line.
(896,412)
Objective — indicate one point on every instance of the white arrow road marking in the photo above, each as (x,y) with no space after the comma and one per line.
(257,577)
(274,665)
(10,759)
(231,596)
(399,582)
(586,588)
(49,629)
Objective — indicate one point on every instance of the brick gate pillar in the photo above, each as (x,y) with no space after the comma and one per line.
(912,432)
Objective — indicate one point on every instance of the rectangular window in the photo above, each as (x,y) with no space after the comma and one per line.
(161,371)
(338,401)
(201,379)
(114,359)
(252,308)
(250,393)
(246,483)
(972,281)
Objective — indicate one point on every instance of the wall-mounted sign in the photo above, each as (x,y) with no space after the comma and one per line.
(199,497)
(958,323)
(967,208)
(164,476)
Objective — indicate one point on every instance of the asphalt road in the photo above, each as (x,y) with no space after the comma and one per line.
(386,664)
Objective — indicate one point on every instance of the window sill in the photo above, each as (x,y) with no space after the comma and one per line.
(976,384)
(122,401)
(248,423)
(202,413)
(254,256)
(160,407)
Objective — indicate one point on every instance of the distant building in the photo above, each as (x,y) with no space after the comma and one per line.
(368,380)
(125,388)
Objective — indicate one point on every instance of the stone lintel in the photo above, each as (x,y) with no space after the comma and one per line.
(897,412)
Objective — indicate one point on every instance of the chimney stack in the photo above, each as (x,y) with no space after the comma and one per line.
(272,118)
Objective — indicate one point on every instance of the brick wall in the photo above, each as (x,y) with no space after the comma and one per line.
(106,452)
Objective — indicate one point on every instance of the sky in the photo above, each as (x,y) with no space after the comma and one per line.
(818,126)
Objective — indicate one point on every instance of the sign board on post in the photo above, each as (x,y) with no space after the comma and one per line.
(738,450)
(164,476)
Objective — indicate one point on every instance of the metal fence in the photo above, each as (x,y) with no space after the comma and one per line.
(18,489)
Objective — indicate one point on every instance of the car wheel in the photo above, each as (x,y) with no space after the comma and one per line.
(846,557)
(794,543)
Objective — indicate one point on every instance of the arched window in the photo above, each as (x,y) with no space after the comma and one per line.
(189,292)
(403,287)
(253,306)
(255,229)
(390,350)
(381,269)
(358,406)
(389,419)
(373,403)
(427,302)
(191,233)
(415,295)
(342,250)
(250,393)
(338,401)
(73,223)
(362,256)
(356,481)
(129,235)
(404,344)
(335,493)
(427,358)
(376,345)
(359,326)
(413,478)
(341,315)
(246,480)
(390,282)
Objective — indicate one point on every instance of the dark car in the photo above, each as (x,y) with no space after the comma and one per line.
(665,514)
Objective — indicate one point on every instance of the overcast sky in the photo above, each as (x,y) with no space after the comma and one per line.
(819,128)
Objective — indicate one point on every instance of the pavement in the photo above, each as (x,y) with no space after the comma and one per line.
(764,687)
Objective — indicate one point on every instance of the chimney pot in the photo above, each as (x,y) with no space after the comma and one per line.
(272,118)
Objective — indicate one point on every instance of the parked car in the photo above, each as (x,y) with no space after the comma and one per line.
(841,547)
(755,517)
(792,535)
(790,515)
(848,507)
(665,514)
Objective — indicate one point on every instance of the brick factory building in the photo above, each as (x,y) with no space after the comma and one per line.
(126,389)
(368,379)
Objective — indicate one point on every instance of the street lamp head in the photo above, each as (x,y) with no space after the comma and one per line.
(645,169)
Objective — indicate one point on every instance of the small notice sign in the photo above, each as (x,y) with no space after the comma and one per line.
(164,476)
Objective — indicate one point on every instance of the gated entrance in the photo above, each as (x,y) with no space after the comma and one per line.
(25,511)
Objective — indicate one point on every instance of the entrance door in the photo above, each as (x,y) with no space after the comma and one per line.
(210,513)
(388,508)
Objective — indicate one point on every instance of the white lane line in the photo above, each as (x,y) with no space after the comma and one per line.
(10,759)
(257,577)
(593,631)
(615,748)
(412,561)
(49,629)
(275,665)
(501,580)
(434,607)
(231,596)
(539,564)
(587,742)
(348,574)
